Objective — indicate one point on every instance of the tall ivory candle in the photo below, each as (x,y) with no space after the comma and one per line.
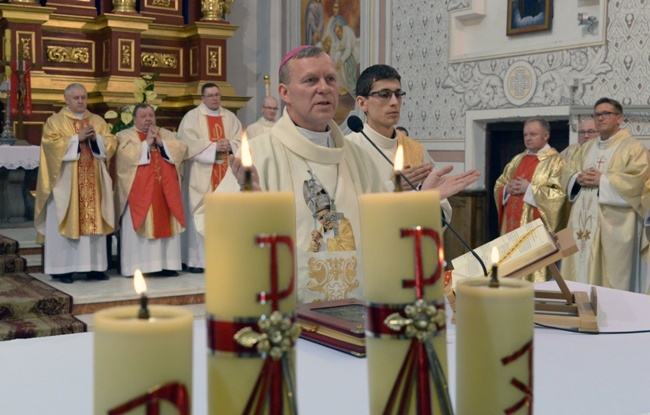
(388,260)
(237,271)
(494,339)
(134,355)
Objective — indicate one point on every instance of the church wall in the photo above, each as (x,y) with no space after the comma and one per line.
(460,69)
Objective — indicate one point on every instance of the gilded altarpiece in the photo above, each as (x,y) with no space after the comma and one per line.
(89,42)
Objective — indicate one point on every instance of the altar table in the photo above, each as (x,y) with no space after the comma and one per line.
(573,373)
(17,168)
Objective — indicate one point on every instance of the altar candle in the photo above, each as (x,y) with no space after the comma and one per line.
(494,339)
(237,271)
(134,355)
(388,259)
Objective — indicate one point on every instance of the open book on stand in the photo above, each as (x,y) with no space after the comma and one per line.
(517,249)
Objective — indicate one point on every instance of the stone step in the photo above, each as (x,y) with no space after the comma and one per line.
(90,296)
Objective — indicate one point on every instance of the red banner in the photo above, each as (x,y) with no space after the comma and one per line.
(21,84)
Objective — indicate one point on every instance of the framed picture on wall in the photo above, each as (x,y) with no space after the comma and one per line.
(525,16)
(335,26)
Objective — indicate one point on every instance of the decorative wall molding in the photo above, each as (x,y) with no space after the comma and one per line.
(158,60)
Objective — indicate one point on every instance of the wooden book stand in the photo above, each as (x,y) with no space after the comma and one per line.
(556,308)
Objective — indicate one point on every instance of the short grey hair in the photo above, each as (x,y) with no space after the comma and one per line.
(72,86)
(310,52)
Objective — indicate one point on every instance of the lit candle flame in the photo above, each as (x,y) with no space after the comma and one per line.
(138,282)
(399,159)
(246,159)
(495,255)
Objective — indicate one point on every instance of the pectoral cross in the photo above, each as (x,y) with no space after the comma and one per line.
(600,162)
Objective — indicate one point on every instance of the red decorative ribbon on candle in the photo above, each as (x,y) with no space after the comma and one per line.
(273,341)
(174,393)
(419,322)
(527,400)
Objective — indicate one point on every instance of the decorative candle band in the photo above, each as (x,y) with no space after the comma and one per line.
(377,314)
(275,339)
(174,393)
(221,335)
(419,322)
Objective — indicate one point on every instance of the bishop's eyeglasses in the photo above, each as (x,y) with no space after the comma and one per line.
(386,94)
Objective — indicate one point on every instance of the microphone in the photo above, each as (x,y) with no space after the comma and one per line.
(355,124)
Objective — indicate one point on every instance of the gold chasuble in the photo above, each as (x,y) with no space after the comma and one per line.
(220,167)
(152,190)
(413,151)
(513,211)
(155,196)
(543,171)
(608,227)
(84,207)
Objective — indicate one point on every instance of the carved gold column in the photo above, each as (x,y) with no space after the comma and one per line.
(124,6)
(215,10)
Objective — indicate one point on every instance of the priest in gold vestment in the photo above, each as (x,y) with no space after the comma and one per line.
(74,194)
(604,183)
(148,196)
(529,187)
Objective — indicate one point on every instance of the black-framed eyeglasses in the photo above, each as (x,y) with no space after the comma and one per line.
(605,114)
(270,108)
(587,132)
(386,94)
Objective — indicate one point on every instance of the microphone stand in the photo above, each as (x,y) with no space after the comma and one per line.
(444,221)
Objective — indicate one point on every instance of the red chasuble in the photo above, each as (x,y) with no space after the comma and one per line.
(515,205)
(156,189)
(215,126)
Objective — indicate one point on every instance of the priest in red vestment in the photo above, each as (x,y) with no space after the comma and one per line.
(529,187)
(148,196)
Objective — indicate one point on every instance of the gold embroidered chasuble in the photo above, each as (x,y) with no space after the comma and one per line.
(608,233)
(547,190)
(126,160)
(85,207)
(548,193)
(282,158)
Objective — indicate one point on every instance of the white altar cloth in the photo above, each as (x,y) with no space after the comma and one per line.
(14,157)
(573,373)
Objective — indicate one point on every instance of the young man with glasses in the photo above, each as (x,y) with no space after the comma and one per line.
(307,154)
(604,183)
(269,109)
(211,133)
(380,96)
(586,131)
(529,187)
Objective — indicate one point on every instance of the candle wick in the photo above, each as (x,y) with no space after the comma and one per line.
(494,281)
(398,181)
(248,181)
(144,312)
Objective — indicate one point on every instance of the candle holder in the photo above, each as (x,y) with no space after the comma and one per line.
(7,136)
